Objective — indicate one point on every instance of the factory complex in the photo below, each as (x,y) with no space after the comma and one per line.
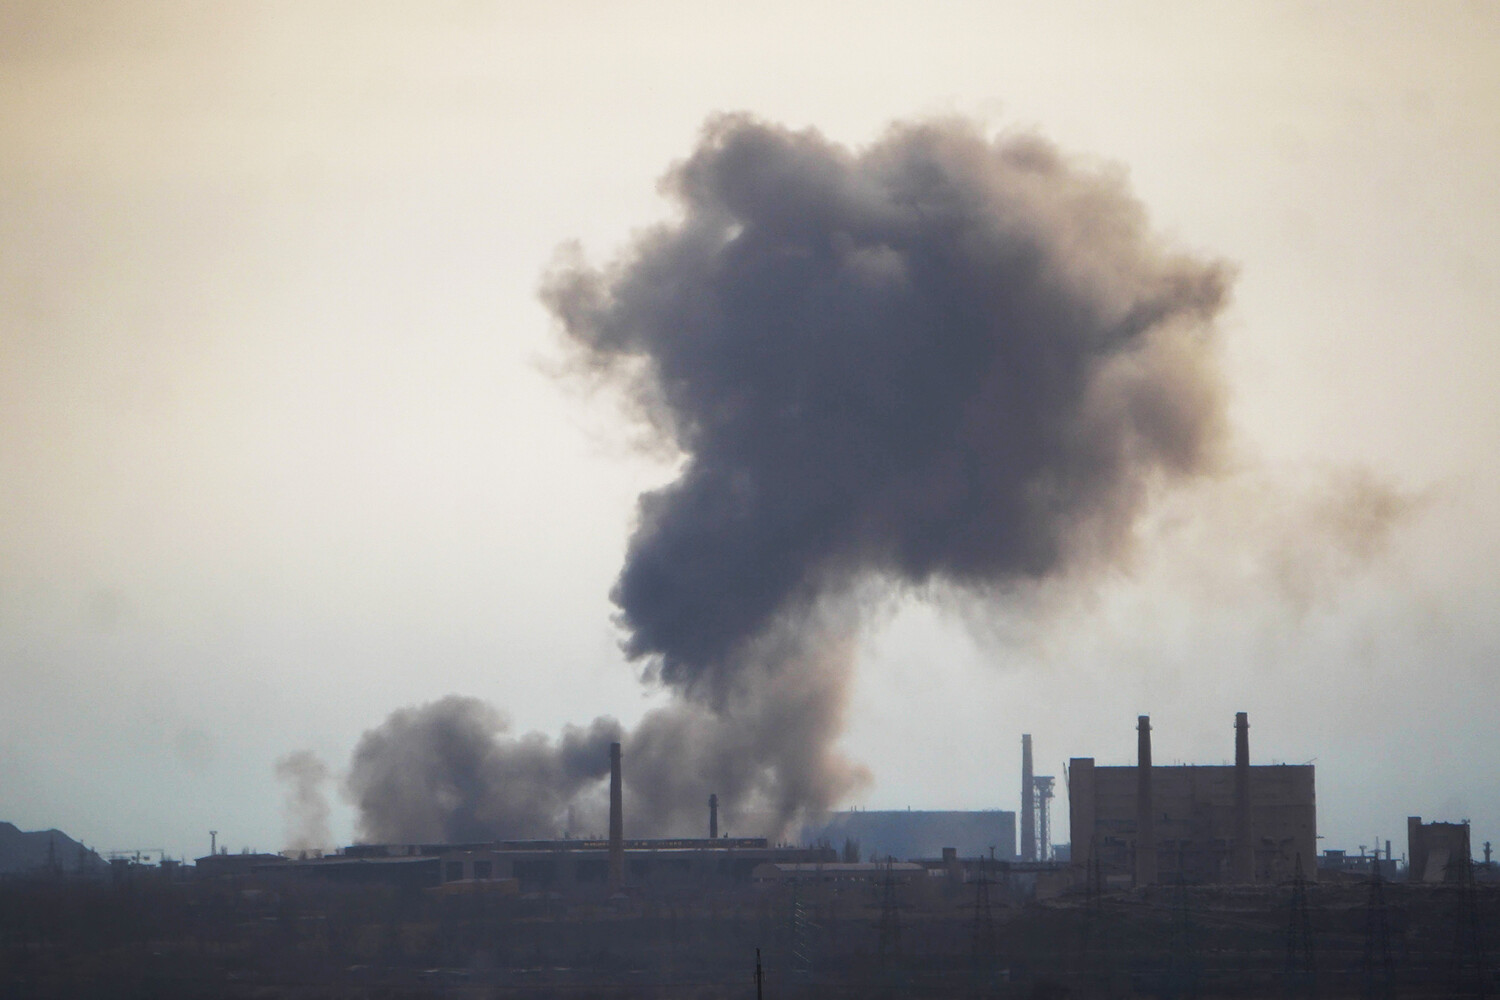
(1176,881)
(1131,825)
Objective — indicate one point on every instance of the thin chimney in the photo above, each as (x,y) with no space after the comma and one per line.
(1244,844)
(1145,812)
(1028,802)
(616,822)
(713,817)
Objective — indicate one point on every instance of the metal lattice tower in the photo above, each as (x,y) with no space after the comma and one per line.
(890,917)
(1043,788)
(984,952)
(1299,947)
(1379,970)
(1093,946)
(1183,959)
(802,930)
(1469,965)
(984,919)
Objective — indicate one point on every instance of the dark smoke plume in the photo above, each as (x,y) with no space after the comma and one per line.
(448,771)
(306,806)
(942,359)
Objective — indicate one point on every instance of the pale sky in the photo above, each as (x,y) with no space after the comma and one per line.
(284,447)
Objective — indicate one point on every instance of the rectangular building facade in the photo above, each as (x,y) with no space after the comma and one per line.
(909,834)
(1437,852)
(1193,821)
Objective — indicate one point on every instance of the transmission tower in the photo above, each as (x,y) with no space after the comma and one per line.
(1469,965)
(1380,971)
(802,930)
(1094,945)
(890,917)
(984,925)
(1299,947)
(1184,971)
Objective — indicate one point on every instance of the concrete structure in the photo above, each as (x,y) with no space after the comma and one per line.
(1436,852)
(1028,802)
(1335,865)
(1145,813)
(221,865)
(1150,823)
(1243,867)
(906,833)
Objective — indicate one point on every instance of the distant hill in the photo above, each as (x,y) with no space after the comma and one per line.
(23,853)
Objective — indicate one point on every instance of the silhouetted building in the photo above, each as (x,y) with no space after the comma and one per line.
(563,866)
(917,833)
(1150,823)
(1436,852)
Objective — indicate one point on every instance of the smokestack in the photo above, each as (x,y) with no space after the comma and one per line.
(616,822)
(1244,846)
(1028,802)
(713,817)
(1145,813)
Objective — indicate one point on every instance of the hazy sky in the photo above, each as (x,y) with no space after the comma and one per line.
(284,447)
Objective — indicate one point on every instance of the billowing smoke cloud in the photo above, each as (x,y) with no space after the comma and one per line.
(449,771)
(306,805)
(942,359)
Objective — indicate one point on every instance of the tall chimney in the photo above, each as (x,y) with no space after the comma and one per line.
(1145,812)
(616,822)
(1244,844)
(1028,803)
(713,817)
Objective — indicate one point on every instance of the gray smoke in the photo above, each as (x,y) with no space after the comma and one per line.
(767,750)
(449,771)
(942,359)
(938,358)
(305,808)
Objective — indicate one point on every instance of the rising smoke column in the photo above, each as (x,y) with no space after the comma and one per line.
(941,359)
(938,357)
(305,807)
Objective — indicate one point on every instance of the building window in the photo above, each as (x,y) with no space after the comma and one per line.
(482,869)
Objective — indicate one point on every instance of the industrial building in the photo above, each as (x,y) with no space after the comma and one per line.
(564,866)
(1438,852)
(906,834)
(561,866)
(1147,823)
